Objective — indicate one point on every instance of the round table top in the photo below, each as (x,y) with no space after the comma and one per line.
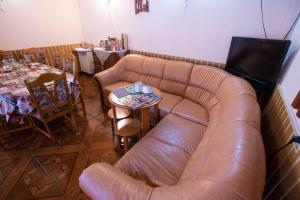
(116,102)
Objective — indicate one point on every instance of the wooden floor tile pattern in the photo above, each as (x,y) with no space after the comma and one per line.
(34,167)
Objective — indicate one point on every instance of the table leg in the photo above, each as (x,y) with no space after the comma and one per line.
(156,114)
(115,126)
(126,145)
(145,121)
(115,117)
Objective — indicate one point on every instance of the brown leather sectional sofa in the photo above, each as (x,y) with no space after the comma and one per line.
(207,146)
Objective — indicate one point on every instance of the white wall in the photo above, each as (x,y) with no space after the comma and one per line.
(37,23)
(202,30)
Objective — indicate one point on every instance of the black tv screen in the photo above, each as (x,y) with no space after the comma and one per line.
(259,59)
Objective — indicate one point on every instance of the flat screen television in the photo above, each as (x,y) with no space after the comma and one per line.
(257,59)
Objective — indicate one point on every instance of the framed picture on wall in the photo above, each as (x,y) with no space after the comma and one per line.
(141,6)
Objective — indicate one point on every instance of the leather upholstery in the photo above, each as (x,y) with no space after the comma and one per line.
(208,145)
(174,141)
(176,77)
(192,111)
(152,71)
(112,184)
(168,103)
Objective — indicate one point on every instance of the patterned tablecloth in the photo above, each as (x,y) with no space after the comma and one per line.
(14,96)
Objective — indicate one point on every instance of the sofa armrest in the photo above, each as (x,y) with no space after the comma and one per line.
(197,189)
(103,181)
(107,77)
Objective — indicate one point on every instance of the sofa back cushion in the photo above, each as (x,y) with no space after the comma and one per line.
(203,85)
(148,70)
(175,78)
(152,71)
(132,67)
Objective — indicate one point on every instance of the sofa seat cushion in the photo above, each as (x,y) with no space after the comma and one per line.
(191,111)
(168,102)
(161,156)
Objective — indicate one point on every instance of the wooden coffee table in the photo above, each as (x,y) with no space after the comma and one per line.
(145,109)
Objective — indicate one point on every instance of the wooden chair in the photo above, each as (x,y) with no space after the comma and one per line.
(8,127)
(69,65)
(58,60)
(40,55)
(34,55)
(6,55)
(29,55)
(50,104)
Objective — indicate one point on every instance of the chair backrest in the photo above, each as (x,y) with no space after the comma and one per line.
(29,55)
(49,93)
(6,54)
(6,57)
(58,59)
(69,65)
(40,55)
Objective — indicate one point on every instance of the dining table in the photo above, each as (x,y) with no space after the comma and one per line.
(15,99)
(103,55)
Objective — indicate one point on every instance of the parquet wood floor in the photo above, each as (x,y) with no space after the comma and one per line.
(34,167)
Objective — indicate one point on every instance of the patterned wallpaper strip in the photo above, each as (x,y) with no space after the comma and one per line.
(49,52)
(283,171)
(177,58)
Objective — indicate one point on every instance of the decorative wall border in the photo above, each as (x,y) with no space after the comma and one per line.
(49,51)
(177,58)
(282,181)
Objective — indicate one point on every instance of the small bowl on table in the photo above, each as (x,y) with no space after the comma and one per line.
(147,89)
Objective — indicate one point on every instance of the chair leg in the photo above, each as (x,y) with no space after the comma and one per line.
(73,120)
(47,128)
(112,128)
(125,144)
(31,121)
(3,124)
(118,142)
(46,132)
(139,136)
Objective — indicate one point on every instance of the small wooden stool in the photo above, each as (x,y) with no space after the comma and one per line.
(121,113)
(126,128)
